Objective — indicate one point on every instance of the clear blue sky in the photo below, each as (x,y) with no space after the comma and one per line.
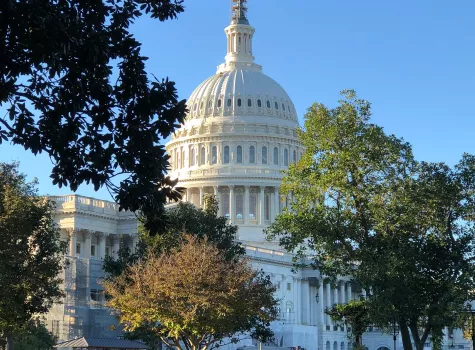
(414,60)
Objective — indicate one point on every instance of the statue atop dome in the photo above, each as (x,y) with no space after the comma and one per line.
(238,12)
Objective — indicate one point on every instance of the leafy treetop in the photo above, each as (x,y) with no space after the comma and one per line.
(193,297)
(73,81)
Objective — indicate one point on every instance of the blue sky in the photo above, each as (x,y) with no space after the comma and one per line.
(414,60)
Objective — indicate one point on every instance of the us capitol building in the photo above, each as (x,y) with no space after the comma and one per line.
(238,138)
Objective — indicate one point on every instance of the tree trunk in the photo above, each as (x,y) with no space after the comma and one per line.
(9,342)
(406,337)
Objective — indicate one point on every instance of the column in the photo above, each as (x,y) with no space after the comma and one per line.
(246,205)
(298,292)
(231,204)
(72,243)
(261,206)
(328,304)
(309,303)
(115,248)
(342,292)
(135,242)
(188,195)
(201,196)
(87,248)
(220,202)
(277,203)
(348,292)
(320,313)
(102,246)
(215,191)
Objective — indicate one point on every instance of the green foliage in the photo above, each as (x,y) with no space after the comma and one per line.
(183,219)
(34,337)
(30,252)
(74,84)
(354,314)
(194,297)
(369,210)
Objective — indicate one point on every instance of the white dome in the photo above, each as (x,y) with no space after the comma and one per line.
(239,136)
(239,93)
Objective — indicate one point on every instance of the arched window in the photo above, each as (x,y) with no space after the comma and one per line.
(276,105)
(214,155)
(266,206)
(219,103)
(183,158)
(229,102)
(253,206)
(203,156)
(286,157)
(239,154)
(335,345)
(193,157)
(225,207)
(239,102)
(249,102)
(264,155)
(276,156)
(239,205)
(226,155)
(259,103)
(252,154)
(294,156)
(288,108)
(268,104)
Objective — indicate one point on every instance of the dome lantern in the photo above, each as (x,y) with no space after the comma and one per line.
(239,40)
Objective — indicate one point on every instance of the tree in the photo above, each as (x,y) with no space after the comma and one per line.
(74,84)
(355,315)
(366,209)
(34,336)
(183,219)
(193,297)
(30,253)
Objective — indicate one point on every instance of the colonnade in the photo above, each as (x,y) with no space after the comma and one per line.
(242,204)
(87,244)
